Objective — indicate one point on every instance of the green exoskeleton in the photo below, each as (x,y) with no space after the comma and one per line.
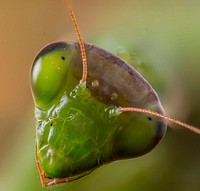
(91,108)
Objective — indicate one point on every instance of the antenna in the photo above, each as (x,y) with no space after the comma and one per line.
(139,110)
(80,40)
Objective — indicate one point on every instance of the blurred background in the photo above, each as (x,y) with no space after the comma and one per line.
(160,38)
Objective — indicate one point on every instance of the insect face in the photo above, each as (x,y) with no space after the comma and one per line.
(91,110)
(79,126)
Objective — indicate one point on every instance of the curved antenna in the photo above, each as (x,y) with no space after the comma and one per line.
(152,113)
(80,40)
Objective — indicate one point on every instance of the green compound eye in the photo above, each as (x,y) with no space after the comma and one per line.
(49,74)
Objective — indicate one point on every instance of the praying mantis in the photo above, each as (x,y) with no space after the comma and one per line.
(92,108)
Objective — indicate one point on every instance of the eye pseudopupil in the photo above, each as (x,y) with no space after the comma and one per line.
(149,118)
(63,58)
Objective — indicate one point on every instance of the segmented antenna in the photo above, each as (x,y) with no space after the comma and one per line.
(152,113)
(80,40)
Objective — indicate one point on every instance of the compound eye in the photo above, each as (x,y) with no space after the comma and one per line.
(49,75)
